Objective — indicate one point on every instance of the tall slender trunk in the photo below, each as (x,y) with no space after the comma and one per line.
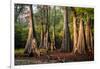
(88,33)
(31,41)
(81,39)
(54,38)
(46,28)
(42,29)
(49,40)
(75,30)
(66,46)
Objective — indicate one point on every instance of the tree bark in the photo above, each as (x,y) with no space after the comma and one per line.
(44,32)
(42,29)
(66,46)
(75,30)
(54,38)
(81,39)
(31,41)
(88,33)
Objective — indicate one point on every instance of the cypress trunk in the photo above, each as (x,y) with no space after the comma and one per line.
(88,33)
(81,39)
(66,46)
(75,34)
(31,41)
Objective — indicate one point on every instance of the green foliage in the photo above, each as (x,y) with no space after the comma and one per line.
(21,33)
(84,12)
(19,51)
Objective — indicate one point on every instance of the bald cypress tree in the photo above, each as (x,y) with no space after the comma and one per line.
(75,34)
(88,33)
(66,43)
(81,38)
(31,40)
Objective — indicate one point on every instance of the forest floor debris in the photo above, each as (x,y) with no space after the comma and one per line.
(54,57)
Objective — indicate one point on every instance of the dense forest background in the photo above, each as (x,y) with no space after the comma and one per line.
(53,28)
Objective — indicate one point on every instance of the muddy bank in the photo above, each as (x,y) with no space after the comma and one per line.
(53,58)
